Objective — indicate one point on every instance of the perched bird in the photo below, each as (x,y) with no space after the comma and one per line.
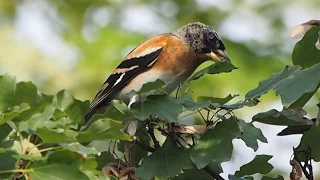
(170,57)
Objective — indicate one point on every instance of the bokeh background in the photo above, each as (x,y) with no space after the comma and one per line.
(75,44)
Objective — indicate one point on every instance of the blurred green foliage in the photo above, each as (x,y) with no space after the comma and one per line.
(98,56)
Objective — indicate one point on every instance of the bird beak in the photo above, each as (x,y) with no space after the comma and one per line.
(219,55)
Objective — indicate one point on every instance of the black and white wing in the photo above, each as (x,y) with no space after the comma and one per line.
(125,72)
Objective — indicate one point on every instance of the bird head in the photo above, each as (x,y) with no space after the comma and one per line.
(203,40)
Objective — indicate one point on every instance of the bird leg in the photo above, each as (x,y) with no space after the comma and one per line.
(153,137)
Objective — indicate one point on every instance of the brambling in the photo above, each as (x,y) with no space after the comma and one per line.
(170,57)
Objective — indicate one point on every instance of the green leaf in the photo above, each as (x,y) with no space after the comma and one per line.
(163,106)
(103,129)
(299,103)
(272,82)
(216,68)
(294,130)
(26,92)
(191,174)
(258,165)
(117,111)
(147,87)
(250,134)
(77,147)
(241,104)
(305,53)
(216,144)
(39,120)
(272,178)
(64,157)
(233,177)
(311,139)
(220,101)
(15,112)
(75,109)
(5,129)
(56,135)
(56,171)
(287,117)
(165,163)
(301,82)
(8,161)
(7,89)
(188,103)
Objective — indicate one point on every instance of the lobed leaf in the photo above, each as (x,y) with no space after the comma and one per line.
(216,68)
(250,135)
(287,117)
(216,144)
(104,128)
(271,83)
(56,171)
(301,82)
(305,54)
(165,163)
(258,165)
(163,106)
(311,139)
(75,109)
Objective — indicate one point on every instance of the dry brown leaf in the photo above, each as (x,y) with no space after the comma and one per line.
(300,30)
(130,129)
(296,172)
(195,129)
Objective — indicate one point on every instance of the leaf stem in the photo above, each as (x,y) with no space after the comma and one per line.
(16,171)
(48,149)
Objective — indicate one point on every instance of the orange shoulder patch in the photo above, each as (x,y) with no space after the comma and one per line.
(149,46)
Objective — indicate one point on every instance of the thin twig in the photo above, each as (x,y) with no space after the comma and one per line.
(212,173)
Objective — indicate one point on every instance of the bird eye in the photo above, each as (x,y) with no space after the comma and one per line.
(217,44)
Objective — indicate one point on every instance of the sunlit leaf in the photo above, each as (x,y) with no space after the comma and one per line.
(24,146)
(15,112)
(272,82)
(103,129)
(216,144)
(165,163)
(7,89)
(216,68)
(56,171)
(56,135)
(77,147)
(258,165)
(250,135)
(39,120)
(75,109)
